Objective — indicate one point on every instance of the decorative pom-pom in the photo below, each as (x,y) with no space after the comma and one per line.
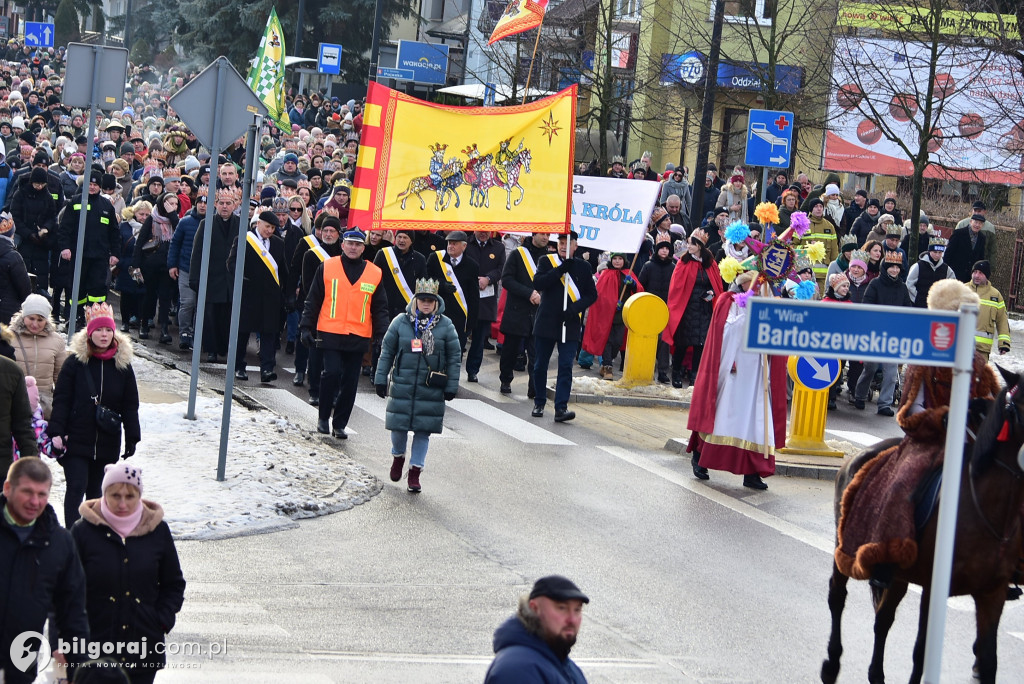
(799,222)
(729,267)
(737,232)
(805,290)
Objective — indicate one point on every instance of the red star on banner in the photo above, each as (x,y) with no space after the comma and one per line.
(550,127)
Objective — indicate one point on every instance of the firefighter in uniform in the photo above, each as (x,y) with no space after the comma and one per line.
(992,325)
(346,309)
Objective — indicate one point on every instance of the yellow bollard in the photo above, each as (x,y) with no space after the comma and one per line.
(809,411)
(645,316)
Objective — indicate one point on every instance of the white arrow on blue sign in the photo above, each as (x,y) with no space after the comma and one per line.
(769,138)
(38,34)
(817,374)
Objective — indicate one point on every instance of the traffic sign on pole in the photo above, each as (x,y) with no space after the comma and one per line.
(395,74)
(193,104)
(769,138)
(329,59)
(39,34)
(816,374)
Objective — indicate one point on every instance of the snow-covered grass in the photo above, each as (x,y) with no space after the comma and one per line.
(597,386)
(275,472)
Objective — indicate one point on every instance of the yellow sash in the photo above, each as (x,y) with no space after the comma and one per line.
(531,267)
(449,275)
(396,273)
(574,292)
(264,255)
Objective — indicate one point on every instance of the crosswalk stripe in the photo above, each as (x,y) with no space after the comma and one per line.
(517,428)
(862,438)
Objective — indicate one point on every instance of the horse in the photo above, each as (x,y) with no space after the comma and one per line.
(988,539)
(415,187)
(451,178)
(477,172)
(512,170)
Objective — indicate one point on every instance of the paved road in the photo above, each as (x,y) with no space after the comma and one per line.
(690,581)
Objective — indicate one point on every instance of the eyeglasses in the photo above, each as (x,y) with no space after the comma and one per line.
(296,210)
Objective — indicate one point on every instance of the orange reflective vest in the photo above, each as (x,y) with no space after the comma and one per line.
(346,307)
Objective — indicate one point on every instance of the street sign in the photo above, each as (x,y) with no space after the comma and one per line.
(887,334)
(194,104)
(428,61)
(817,374)
(38,34)
(769,138)
(396,74)
(329,59)
(110,68)
(490,93)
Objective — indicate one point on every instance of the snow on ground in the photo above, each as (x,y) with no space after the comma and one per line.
(276,473)
(597,386)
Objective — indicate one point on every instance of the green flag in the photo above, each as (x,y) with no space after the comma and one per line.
(266,76)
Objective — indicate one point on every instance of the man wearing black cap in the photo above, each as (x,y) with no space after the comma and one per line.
(102,240)
(992,325)
(263,294)
(345,310)
(326,243)
(402,266)
(967,246)
(559,320)
(35,219)
(979,208)
(866,221)
(459,276)
(41,160)
(532,646)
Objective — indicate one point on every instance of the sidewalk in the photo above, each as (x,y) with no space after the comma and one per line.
(276,472)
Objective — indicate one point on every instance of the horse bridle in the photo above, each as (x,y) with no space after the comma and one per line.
(1011,408)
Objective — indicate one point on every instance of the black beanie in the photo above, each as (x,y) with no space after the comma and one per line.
(108,182)
(38,175)
(983,266)
(332,221)
(96,177)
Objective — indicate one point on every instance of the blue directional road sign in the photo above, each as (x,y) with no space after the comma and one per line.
(490,93)
(396,74)
(38,34)
(328,61)
(817,374)
(888,334)
(769,138)
(428,61)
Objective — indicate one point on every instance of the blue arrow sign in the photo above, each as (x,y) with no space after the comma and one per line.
(769,138)
(38,34)
(817,374)
(329,59)
(397,74)
(888,334)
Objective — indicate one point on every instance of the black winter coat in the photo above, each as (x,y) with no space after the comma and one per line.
(15,284)
(218,286)
(959,254)
(102,237)
(31,210)
(864,224)
(155,258)
(413,266)
(490,257)
(262,295)
(517,318)
(39,575)
(74,413)
(15,414)
(134,587)
(467,273)
(886,291)
(656,276)
(551,313)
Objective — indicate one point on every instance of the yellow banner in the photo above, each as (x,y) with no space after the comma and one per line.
(423,166)
(909,18)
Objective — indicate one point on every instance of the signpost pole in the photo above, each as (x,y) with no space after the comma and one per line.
(204,273)
(952,467)
(236,297)
(82,215)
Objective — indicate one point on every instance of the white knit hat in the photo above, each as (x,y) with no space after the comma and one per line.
(36,305)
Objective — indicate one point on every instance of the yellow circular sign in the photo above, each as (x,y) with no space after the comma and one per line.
(645,314)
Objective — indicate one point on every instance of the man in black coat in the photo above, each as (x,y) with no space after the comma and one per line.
(489,254)
(41,572)
(966,246)
(263,281)
(102,241)
(330,246)
(554,316)
(402,266)
(521,300)
(35,219)
(217,316)
(22,177)
(459,277)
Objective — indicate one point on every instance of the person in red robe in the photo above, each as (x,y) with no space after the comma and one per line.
(727,410)
(605,334)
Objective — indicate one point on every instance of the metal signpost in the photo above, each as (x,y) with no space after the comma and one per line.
(95,76)
(329,59)
(233,107)
(38,34)
(427,61)
(893,335)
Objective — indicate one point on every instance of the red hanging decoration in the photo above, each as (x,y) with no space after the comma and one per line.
(1004,434)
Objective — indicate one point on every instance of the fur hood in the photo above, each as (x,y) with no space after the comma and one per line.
(18,325)
(152,515)
(948,295)
(79,347)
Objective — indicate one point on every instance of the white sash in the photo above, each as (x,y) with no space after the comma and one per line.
(531,265)
(264,254)
(396,273)
(449,274)
(574,292)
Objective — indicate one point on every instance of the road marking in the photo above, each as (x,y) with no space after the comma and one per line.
(1019,635)
(862,438)
(478,389)
(458,659)
(779,525)
(517,428)
(234,629)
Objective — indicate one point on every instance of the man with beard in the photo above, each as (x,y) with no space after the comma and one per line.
(218,301)
(532,646)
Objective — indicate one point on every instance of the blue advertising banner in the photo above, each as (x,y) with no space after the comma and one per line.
(427,61)
(689,69)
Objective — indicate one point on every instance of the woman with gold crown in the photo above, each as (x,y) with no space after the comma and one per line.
(96,398)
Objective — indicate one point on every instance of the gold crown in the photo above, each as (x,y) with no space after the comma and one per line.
(438,147)
(938,242)
(98,310)
(847,240)
(426,286)
(470,150)
(802,263)
(861,255)
(893,258)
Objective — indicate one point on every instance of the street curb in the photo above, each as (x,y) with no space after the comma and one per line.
(239,395)
(677,445)
(636,402)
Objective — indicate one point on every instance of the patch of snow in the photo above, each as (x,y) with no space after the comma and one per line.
(599,387)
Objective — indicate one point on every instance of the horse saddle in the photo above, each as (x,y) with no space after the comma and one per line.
(926,498)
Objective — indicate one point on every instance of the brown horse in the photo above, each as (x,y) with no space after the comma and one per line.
(988,540)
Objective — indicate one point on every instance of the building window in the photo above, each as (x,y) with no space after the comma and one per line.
(627,9)
(747,11)
(734,141)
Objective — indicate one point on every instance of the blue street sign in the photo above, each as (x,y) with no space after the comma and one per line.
(38,34)
(490,93)
(817,374)
(427,61)
(396,74)
(328,61)
(862,332)
(769,138)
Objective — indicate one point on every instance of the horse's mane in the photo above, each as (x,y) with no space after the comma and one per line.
(985,443)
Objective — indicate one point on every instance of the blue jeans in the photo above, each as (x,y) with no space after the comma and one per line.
(543,348)
(292,325)
(420,442)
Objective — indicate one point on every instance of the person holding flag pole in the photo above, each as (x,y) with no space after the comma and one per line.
(558,323)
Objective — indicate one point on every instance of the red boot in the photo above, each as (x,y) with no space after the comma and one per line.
(396,468)
(414,479)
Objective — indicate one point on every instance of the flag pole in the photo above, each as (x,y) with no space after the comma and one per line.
(766,379)
(529,73)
